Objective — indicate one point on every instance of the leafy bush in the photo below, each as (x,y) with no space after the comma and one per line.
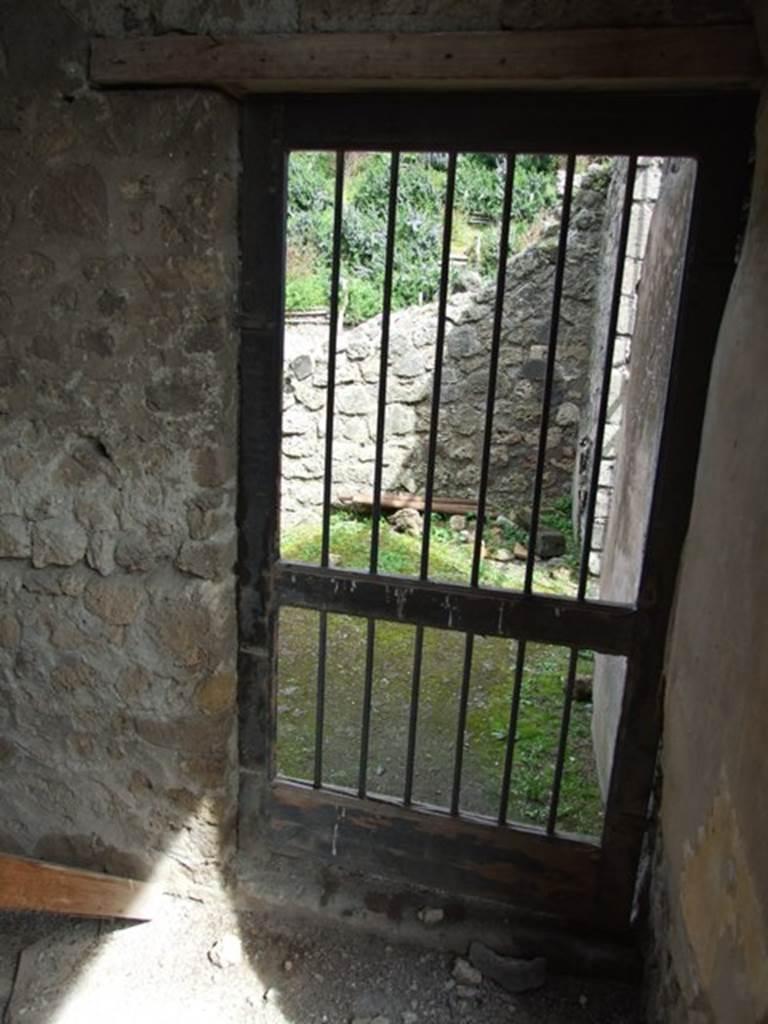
(419,224)
(307,292)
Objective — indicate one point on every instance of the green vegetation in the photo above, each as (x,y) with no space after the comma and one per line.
(489,704)
(450,558)
(485,738)
(421,196)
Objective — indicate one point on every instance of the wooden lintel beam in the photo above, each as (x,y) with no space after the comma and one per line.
(635,58)
(36,885)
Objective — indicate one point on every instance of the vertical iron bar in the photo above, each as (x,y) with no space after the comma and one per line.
(332,339)
(384,359)
(597,448)
(563,741)
(514,712)
(462,723)
(437,375)
(365,734)
(322,644)
(322,641)
(365,731)
(549,377)
(418,651)
(493,368)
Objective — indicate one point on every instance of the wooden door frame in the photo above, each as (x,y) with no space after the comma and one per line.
(577,882)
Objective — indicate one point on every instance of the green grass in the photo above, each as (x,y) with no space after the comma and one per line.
(493,667)
(400,554)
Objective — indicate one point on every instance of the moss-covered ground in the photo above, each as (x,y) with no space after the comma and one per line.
(493,668)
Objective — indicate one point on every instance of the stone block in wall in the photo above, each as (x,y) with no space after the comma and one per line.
(15,537)
(58,541)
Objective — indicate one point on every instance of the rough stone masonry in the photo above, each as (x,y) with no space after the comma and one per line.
(118,395)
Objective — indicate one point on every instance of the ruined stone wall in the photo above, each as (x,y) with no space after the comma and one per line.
(523,354)
(711,883)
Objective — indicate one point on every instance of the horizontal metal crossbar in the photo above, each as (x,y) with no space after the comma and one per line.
(590,625)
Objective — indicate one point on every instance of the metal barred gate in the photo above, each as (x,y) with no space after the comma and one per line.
(587,881)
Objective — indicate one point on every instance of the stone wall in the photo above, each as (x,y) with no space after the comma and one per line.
(523,354)
(645,193)
(118,392)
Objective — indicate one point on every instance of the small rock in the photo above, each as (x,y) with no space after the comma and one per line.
(465,973)
(523,518)
(302,367)
(520,551)
(511,973)
(431,915)
(582,689)
(457,523)
(467,991)
(409,1017)
(567,414)
(502,555)
(549,543)
(406,520)
(227,952)
(466,281)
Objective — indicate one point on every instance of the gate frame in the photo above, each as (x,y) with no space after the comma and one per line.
(570,879)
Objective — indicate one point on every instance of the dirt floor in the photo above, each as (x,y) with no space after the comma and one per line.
(199,961)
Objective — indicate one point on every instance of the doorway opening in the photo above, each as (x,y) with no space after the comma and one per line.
(468,449)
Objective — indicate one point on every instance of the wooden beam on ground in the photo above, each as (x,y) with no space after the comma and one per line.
(445,506)
(36,885)
(698,57)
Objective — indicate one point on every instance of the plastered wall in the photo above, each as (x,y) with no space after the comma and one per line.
(711,882)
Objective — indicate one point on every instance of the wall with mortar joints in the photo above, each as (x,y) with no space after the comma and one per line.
(118,275)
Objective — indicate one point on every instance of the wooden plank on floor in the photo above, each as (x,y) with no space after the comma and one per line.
(637,58)
(37,885)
